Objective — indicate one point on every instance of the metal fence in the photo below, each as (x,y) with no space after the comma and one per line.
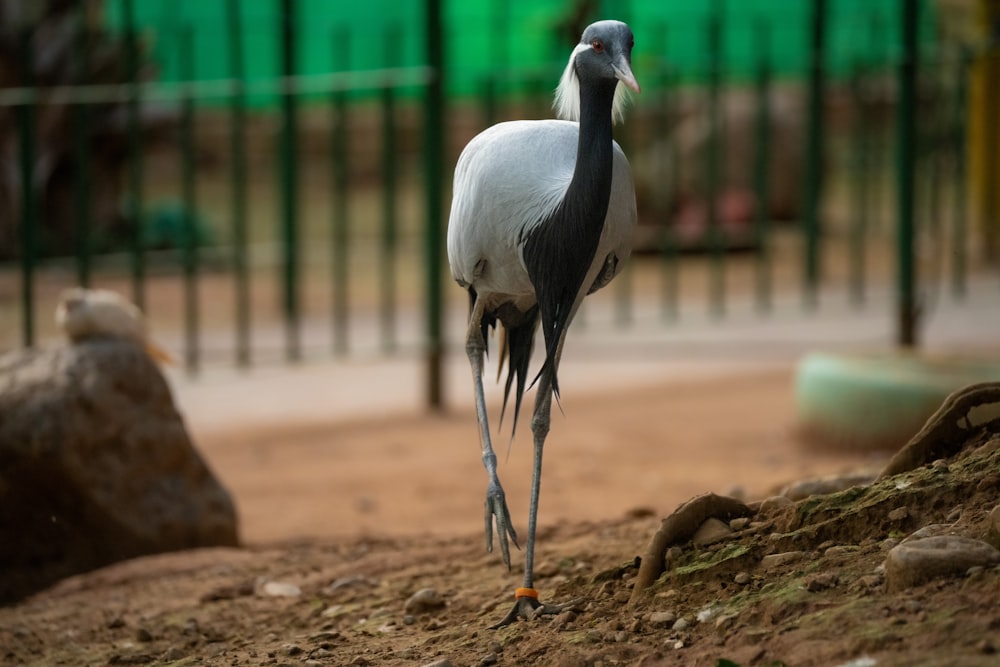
(252,235)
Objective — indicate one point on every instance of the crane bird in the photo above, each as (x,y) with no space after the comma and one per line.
(86,314)
(542,214)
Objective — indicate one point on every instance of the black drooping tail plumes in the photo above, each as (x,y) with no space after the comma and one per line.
(517,346)
(517,342)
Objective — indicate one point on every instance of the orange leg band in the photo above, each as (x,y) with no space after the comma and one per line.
(526,593)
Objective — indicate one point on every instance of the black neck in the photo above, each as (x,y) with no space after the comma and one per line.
(590,188)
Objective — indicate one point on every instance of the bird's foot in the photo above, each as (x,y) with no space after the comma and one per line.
(496,509)
(527,607)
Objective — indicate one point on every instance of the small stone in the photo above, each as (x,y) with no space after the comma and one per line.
(840,550)
(143,635)
(899,514)
(360,661)
(914,562)
(279,589)
(488,659)
(821,582)
(409,619)
(681,624)
(742,578)
(439,663)
(662,618)
(424,600)
(711,530)
(995,521)
(739,523)
(775,503)
(777,560)
(290,649)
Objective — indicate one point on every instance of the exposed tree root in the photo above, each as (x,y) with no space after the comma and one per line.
(946,431)
(680,527)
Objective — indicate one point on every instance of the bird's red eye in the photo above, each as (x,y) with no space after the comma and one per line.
(598,45)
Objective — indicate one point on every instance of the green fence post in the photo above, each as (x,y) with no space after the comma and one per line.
(189,249)
(814,153)
(434,124)
(906,332)
(289,181)
(393,37)
(716,236)
(669,166)
(237,143)
(762,167)
(81,123)
(861,173)
(959,184)
(26,116)
(340,173)
(134,208)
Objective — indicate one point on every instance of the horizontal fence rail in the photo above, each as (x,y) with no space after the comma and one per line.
(311,225)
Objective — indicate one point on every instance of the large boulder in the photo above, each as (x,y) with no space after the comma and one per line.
(96,466)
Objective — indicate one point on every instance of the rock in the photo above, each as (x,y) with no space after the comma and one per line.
(994,529)
(96,466)
(662,618)
(824,485)
(739,523)
(424,600)
(899,514)
(742,578)
(439,663)
(712,530)
(278,589)
(681,624)
(777,560)
(914,562)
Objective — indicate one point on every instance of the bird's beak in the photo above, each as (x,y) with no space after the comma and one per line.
(624,73)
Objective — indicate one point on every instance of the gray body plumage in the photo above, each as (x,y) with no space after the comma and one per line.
(509,179)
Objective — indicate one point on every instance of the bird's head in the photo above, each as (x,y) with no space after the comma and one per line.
(604,53)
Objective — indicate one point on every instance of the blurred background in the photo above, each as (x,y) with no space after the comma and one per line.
(269,179)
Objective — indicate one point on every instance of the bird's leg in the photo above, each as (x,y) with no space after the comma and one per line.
(526,604)
(496,502)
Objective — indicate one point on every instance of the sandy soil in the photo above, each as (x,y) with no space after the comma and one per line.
(345,522)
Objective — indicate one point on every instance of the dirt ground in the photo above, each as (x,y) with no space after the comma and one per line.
(345,522)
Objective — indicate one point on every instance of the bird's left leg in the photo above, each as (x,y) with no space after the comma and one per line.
(496,501)
(526,604)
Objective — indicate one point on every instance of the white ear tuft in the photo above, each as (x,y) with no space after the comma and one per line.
(623,96)
(567,100)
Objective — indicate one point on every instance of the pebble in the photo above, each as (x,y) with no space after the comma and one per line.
(711,530)
(899,514)
(916,561)
(444,662)
(279,589)
(840,549)
(424,600)
(821,582)
(742,578)
(662,618)
(489,659)
(777,560)
(143,635)
(739,523)
(681,624)
(995,519)
(290,649)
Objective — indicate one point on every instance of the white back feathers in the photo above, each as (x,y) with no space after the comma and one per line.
(567,97)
